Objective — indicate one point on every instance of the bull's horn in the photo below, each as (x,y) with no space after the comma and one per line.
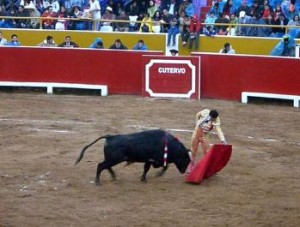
(190,155)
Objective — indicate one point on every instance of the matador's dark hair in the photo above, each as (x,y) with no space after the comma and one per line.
(213,113)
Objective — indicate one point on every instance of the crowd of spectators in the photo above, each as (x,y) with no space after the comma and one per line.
(268,18)
(103,15)
(244,17)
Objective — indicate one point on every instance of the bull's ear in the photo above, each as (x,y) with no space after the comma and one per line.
(190,155)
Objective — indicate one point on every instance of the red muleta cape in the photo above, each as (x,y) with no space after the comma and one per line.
(214,160)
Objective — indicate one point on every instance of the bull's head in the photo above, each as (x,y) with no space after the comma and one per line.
(184,161)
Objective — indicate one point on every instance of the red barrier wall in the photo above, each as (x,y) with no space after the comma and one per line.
(222,76)
(226,76)
(121,71)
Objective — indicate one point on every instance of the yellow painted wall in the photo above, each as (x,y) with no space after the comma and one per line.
(242,45)
(86,38)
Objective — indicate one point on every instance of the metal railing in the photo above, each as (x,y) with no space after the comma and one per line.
(94,21)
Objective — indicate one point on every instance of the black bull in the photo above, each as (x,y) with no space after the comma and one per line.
(147,147)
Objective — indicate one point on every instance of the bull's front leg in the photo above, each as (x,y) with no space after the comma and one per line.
(146,169)
(162,172)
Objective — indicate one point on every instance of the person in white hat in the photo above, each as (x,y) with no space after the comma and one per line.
(108,15)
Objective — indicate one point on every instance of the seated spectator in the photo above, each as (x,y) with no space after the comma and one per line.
(68,43)
(222,29)
(157,3)
(269,21)
(151,10)
(267,3)
(118,45)
(39,5)
(112,4)
(256,9)
(215,8)
(195,29)
(14,41)
(97,44)
(49,23)
(11,22)
(210,31)
(156,27)
(142,7)
(146,25)
(243,19)
(132,8)
(227,49)
(244,7)
(122,26)
(48,42)
(277,11)
(33,12)
(3,41)
(258,31)
(232,29)
(291,12)
(140,45)
(210,19)
(228,8)
(119,8)
(62,23)
(189,9)
(22,23)
(172,6)
(280,21)
(182,7)
(288,8)
(108,16)
(266,12)
(184,29)
(173,31)
(185,35)
(12,4)
(79,23)
(79,3)
(2,14)
(54,3)
(165,21)
(286,47)
(181,19)
(294,31)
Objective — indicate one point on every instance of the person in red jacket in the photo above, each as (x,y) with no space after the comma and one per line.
(49,22)
(195,29)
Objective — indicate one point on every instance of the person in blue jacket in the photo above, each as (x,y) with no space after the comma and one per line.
(286,47)
(14,41)
(140,45)
(97,44)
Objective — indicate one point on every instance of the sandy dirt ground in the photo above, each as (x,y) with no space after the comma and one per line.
(42,136)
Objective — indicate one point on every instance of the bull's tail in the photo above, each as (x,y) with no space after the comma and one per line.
(86,147)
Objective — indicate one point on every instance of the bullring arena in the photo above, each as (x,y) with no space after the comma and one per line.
(42,135)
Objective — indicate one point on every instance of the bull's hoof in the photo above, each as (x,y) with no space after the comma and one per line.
(160,173)
(97,182)
(143,179)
